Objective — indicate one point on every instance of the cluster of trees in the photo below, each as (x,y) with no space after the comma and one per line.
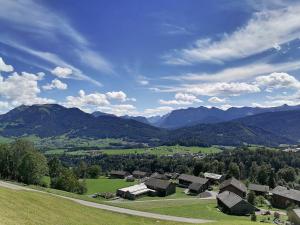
(263,166)
(20,161)
(71,179)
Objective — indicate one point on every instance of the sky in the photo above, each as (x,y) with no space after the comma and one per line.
(149,57)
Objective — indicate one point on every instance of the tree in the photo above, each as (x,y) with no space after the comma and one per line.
(81,169)
(251,197)
(272,181)
(55,167)
(263,174)
(288,174)
(234,170)
(198,168)
(253,172)
(32,168)
(93,171)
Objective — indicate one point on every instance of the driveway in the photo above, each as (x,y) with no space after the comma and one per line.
(113,208)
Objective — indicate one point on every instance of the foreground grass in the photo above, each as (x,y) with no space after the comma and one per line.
(29,208)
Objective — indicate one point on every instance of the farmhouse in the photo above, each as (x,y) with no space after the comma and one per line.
(162,187)
(213,177)
(259,189)
(134,191)
(294,216)
(186,180)
(231,203)
(159,176)
(119,174)
(283,197)
(235,186)
(139,174)
(196,188)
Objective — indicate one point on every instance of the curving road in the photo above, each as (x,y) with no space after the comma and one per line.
(113,208)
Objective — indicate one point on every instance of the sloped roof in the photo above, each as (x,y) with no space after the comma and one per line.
(234,182)
(193,179)
(119,172)
(297,212)
(159,176)
(154,183)
(287,193)
(229,199)
(195,186)
(139,173)
(258,187)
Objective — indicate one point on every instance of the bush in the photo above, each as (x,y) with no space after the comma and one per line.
(253,217)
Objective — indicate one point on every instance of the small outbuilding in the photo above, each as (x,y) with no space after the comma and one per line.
(259,189)
(118,174)
(162,187)
(196,188)
(283,197)
(235,186)
(159,176)
(294,216)
(186,180)
(139,174)
(213,177)
(231,203)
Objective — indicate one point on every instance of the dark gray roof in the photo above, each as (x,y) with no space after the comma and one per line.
(234,182)
(154,183)
(118,172)
(193,179)
(287,193)
(258,187)
(229,199)
(159,176)
(139,173)
(195,186)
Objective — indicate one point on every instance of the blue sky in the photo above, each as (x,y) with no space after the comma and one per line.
(149,57)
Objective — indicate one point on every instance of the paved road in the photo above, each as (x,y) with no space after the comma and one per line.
(113,208)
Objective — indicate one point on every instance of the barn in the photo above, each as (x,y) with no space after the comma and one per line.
(231,203)
(235,186)
(186,180)
(139,174)
(134,191)
(283,197)
(118,174)
(162,187)
(259,189)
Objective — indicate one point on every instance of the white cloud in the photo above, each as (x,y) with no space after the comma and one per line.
(277,47)
(4,67)
(157,111)
(277,80)
(119,110)
(62,72)
(117,95)
(260,33)
(143,82)
(22,89)
(216,100)
(55,84)
(181,99)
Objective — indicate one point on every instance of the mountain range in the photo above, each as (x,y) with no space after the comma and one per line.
(235,126)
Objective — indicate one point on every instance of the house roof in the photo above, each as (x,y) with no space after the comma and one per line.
(119,172)
(234,182)
(229,199)
(258,187)
(297,212)
(195,186)
(154,183)
(287,193)
(136,189)
(193,179)
(139,173)
(213,176)
(159,176)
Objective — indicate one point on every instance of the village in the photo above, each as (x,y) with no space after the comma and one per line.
(230,194)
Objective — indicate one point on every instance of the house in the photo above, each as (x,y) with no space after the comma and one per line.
(196,188)
(283,197)
(159,176)
(259,189)
(231,203)
(172,175)
(119,174)
(162,187)
(186,180)
(235,186)
(214,178)
(139,174)
(134,191)
(294,216)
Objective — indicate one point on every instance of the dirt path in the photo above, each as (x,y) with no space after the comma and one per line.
(113,208)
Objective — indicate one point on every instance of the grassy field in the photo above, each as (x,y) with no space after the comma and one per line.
(29,208)
(161,150)
(105,185)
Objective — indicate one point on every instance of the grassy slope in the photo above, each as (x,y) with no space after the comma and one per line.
(28,208)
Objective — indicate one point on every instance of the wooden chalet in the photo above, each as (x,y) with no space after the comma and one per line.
(283,197)
(162,187)
(235,186)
